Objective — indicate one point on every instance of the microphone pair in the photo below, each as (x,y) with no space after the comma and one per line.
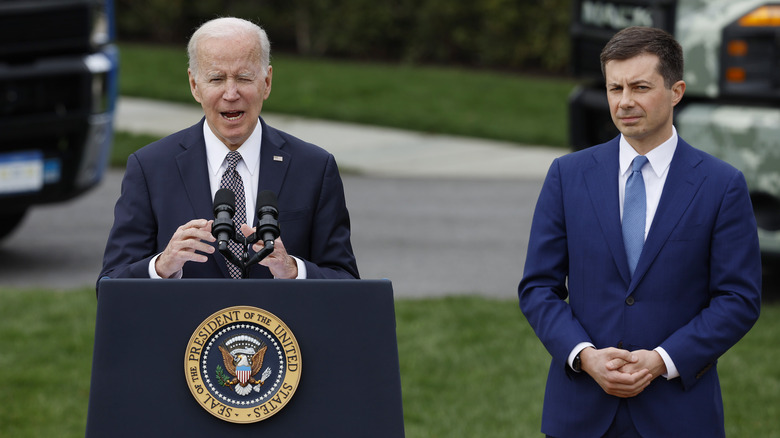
(224,230)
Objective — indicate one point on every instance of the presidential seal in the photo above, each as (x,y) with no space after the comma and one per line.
(242,364)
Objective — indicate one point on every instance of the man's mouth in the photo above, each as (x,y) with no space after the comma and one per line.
(232,115)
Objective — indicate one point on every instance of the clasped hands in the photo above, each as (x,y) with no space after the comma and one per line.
(622,373)
(194,239)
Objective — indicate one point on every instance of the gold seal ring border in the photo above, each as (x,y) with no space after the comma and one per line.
(196,380)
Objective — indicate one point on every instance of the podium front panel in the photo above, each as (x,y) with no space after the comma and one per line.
(350,382)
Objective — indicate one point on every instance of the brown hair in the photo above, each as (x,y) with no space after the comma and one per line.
(637,40)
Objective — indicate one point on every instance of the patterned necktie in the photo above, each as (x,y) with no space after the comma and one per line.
(232,180)
(634,213)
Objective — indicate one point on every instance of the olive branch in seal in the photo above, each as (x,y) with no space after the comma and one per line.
(222,378)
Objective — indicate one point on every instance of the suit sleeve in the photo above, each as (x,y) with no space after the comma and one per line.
(735,288)
(543,290)
(331,249)
(132,241)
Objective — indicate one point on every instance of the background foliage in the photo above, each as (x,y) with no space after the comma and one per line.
(497,34)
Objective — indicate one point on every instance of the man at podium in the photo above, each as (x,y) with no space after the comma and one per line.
(163,218)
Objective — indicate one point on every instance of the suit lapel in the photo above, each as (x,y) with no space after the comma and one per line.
(682,184)
(601,180)
(193,168)
(274,162)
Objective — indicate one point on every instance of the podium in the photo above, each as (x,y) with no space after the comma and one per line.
(349,383)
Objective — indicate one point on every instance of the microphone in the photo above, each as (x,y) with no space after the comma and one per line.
(267,225)
(224,208)
(268,214)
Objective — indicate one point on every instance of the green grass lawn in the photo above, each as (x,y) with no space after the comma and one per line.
(523,109)
(470,367)
(126,143)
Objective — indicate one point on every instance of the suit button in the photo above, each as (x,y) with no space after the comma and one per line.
(630,301)
(620,345)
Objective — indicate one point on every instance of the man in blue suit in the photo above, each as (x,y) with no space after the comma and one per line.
(637,288)
(161,220)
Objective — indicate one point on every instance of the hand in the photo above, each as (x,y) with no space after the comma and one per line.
(646,359)
(281,264)
(609,368)
(188,238)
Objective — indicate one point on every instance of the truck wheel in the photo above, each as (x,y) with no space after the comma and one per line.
(770,287)
(9,222)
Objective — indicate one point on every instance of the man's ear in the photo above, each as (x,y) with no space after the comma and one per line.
(678,89)
(193,86)
(268,79)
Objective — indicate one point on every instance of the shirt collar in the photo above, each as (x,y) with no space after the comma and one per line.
(216,151)
(659,158)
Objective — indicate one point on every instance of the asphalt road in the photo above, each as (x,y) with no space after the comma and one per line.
(430,237)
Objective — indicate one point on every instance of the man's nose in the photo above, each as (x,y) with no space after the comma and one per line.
(231,90)
(626,99)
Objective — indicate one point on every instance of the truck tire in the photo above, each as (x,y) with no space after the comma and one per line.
(9,222)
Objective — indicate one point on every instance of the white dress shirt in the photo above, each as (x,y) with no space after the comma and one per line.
(248,168)
(654,174)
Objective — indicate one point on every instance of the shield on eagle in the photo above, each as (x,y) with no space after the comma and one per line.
(243,374)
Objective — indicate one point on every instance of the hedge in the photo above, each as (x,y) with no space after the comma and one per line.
(496,34)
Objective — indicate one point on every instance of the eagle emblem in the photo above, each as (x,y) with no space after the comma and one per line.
(242,364)
(243,359)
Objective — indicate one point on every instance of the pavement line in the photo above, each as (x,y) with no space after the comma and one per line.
(367,149)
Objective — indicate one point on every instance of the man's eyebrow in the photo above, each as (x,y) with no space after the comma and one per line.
(632,83)
(641,82)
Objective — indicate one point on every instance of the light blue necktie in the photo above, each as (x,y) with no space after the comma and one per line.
(634,213)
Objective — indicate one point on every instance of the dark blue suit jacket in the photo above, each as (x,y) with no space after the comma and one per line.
(166,184)
(695,292)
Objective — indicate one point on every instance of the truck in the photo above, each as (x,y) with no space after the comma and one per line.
(731,106)
(58,89)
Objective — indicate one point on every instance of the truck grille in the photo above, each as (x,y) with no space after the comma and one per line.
(56,87)
(55,95)
(30,29)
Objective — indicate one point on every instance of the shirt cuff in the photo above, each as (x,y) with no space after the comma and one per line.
(153,271)
(579,347)
(671,370)
(301,268)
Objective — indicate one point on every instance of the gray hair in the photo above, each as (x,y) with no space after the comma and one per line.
(229,26)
